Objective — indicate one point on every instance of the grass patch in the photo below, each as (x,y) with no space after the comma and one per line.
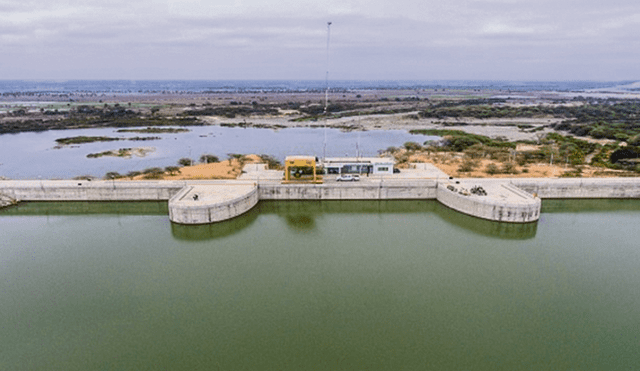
(152,130)
(458,140)
(83,139)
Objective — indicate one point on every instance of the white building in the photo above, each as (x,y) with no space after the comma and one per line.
(358,165)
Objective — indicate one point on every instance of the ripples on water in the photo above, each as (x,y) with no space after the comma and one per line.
(319,285)
(375,285)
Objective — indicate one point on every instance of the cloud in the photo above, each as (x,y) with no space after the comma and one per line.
(286,39)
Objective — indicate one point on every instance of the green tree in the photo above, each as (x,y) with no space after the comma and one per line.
(209,159)
(172,170)
(412,146)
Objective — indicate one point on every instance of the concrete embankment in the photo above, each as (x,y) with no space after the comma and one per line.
(203,204)
(508,200)
(366,190)
(500,202)
(580,187)
(66,190)
(6,201)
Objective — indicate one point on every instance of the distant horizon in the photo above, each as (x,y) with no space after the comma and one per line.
(126,86)
(62,80)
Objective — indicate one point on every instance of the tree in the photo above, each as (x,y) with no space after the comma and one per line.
(185,161)
(412,146)
(271,161)
(112,175)
(172,170)
(209,159)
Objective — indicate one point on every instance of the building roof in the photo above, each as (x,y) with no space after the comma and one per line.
(306,158)
(359,160)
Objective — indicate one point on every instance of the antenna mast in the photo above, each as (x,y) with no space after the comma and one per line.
(326,95)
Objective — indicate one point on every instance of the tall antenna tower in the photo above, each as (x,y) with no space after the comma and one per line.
(326,95)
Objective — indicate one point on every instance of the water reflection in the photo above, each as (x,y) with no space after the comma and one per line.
(85,207)
(508,231)
(215,230)
(302,223)
(589,205)
(301,215)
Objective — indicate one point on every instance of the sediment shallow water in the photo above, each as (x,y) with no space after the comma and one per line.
(344,285)
(32,155)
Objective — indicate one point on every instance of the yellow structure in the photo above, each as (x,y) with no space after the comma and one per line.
(301,169)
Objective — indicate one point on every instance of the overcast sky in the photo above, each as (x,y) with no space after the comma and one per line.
(286,39)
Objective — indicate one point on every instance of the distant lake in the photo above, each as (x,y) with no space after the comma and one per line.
(31,155)
(217,86)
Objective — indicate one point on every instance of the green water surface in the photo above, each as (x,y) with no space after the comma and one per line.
(366,285)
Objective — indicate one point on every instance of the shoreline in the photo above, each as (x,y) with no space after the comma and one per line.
(357,110)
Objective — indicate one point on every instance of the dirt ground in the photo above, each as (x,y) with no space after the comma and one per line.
(451,162)
(447,162)
(228,169)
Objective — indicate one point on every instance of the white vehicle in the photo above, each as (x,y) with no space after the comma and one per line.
(348,178)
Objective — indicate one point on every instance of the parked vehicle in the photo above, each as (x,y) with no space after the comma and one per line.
(348,178)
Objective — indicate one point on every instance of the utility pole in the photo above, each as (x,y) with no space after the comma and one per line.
(326,95)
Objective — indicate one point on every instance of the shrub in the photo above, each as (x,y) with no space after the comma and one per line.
(153,170)
(491,169)
(509,168)
(238,157)
(391,150)
(467,166)
(152,176)
(622,154)
(575,173)
(475,151)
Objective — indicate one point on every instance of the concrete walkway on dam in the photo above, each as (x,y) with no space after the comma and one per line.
(515,200)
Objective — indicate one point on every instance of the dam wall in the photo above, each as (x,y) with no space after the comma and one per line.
(66,190)
(508,200)
(580,187)
(377,190)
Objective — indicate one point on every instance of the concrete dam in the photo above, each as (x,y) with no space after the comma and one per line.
(515,200)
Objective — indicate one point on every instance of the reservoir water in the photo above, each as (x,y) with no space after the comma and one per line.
(32,155)
(366,285)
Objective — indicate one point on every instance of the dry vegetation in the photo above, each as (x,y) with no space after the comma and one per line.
(499,163)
